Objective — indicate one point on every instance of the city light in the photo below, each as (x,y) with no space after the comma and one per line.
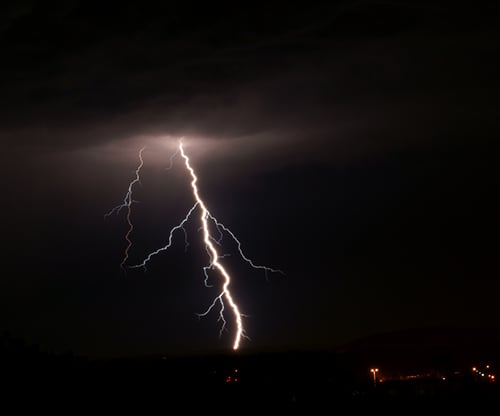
(374,371)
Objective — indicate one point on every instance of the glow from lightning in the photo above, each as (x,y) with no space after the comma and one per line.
(225,296)
(127,203)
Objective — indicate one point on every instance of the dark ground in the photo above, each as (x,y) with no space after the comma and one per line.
(297,381)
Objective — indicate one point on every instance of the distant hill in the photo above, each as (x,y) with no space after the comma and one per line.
(426,347)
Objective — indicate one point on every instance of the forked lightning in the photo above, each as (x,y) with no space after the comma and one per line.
(225,296)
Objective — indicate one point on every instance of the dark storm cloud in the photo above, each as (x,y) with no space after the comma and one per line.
(354,76)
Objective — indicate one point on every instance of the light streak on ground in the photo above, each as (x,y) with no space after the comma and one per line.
(225,296)
(127,203)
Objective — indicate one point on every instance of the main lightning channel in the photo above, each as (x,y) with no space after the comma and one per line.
(214,255)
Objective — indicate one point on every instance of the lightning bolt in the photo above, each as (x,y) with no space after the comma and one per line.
(214,257)
(206,218)
(179,226)
(127,204)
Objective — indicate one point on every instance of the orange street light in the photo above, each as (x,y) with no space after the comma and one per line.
(374,371)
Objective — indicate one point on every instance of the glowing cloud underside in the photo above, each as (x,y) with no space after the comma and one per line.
(225,296)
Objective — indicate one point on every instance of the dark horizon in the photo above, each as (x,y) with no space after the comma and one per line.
(411,346)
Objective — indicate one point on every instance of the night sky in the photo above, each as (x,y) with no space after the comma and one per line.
(351,145)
